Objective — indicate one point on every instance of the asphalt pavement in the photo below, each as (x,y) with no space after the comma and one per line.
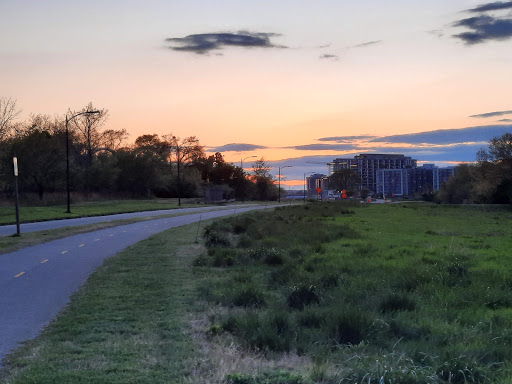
(6,230)
(37,282)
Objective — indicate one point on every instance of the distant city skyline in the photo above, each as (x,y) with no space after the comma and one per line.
(296,82)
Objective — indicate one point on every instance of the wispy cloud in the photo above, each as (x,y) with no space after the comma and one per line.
(492,114)
(204,43)
(480,134)
(323,147)
(485,27)
(366,44)
(497,5)
(346,139)
(505,120)
(236,147)
(331,57)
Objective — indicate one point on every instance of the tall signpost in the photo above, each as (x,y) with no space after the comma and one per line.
(15,163)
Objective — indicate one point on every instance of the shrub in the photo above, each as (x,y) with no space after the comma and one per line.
(347,328)
(249,296)
(393,303)
(301,296)
(213,237)
(311,319)
(461,370)
(330,280)
(267,332)
(266,378)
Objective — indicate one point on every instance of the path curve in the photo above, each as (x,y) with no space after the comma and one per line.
(6,230)
(36,282)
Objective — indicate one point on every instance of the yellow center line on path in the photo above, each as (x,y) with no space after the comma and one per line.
(63,252)
(44,261)
(81,245)
(19,274)
(125,231)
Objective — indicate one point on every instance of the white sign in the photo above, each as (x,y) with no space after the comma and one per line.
(15,161)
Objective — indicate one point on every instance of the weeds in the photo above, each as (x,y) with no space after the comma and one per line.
(367,301)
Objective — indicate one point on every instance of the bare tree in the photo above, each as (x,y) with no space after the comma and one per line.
(182,152)
(8,113)
(87,128)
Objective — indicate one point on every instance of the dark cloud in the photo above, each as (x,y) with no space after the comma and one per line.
(330,57)
(449,136)
(367,44)
(236,147)
(206,42)
(323,147)
(505,121)
(484,28)
(492,114)
(496,6)
(346,139)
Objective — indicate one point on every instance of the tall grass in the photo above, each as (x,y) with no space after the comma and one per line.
(396,294)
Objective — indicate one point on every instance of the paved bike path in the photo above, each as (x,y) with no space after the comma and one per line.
(6,230)
(36,282)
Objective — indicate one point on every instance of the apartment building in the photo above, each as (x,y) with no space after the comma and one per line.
(367,166)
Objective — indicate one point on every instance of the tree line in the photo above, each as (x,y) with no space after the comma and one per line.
(489,180)
(101,161)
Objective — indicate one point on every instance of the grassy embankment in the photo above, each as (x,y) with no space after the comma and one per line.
(324,293)
(95,208)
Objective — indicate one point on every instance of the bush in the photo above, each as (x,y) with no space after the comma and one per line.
(347,328)
(301,296)
(266,378)
(460,370)
(213,237)
(394,303)
(249,296)
(264,332)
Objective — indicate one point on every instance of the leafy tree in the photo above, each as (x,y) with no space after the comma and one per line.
(458,188)
(264,187)
(182,154)
(344,179)
(40,160)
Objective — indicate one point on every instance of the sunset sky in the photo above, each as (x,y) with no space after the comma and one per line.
(296,82)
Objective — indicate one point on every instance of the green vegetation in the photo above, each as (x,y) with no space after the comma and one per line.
(127,325)
(96,208)
(488,181)
(405,293)
(319,293)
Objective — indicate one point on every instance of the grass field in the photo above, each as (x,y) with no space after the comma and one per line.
(321,293)
(96,208)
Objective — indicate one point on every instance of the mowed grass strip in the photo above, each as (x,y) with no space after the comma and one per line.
(95,208)
(128,324)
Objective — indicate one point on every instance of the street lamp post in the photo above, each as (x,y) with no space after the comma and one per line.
(279,180)
(245,158)
(67,153)
(243,177)
(306,173)
(178,161)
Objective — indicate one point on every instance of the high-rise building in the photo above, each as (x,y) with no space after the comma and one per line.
(411,181)
(367,165)
(317,181)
